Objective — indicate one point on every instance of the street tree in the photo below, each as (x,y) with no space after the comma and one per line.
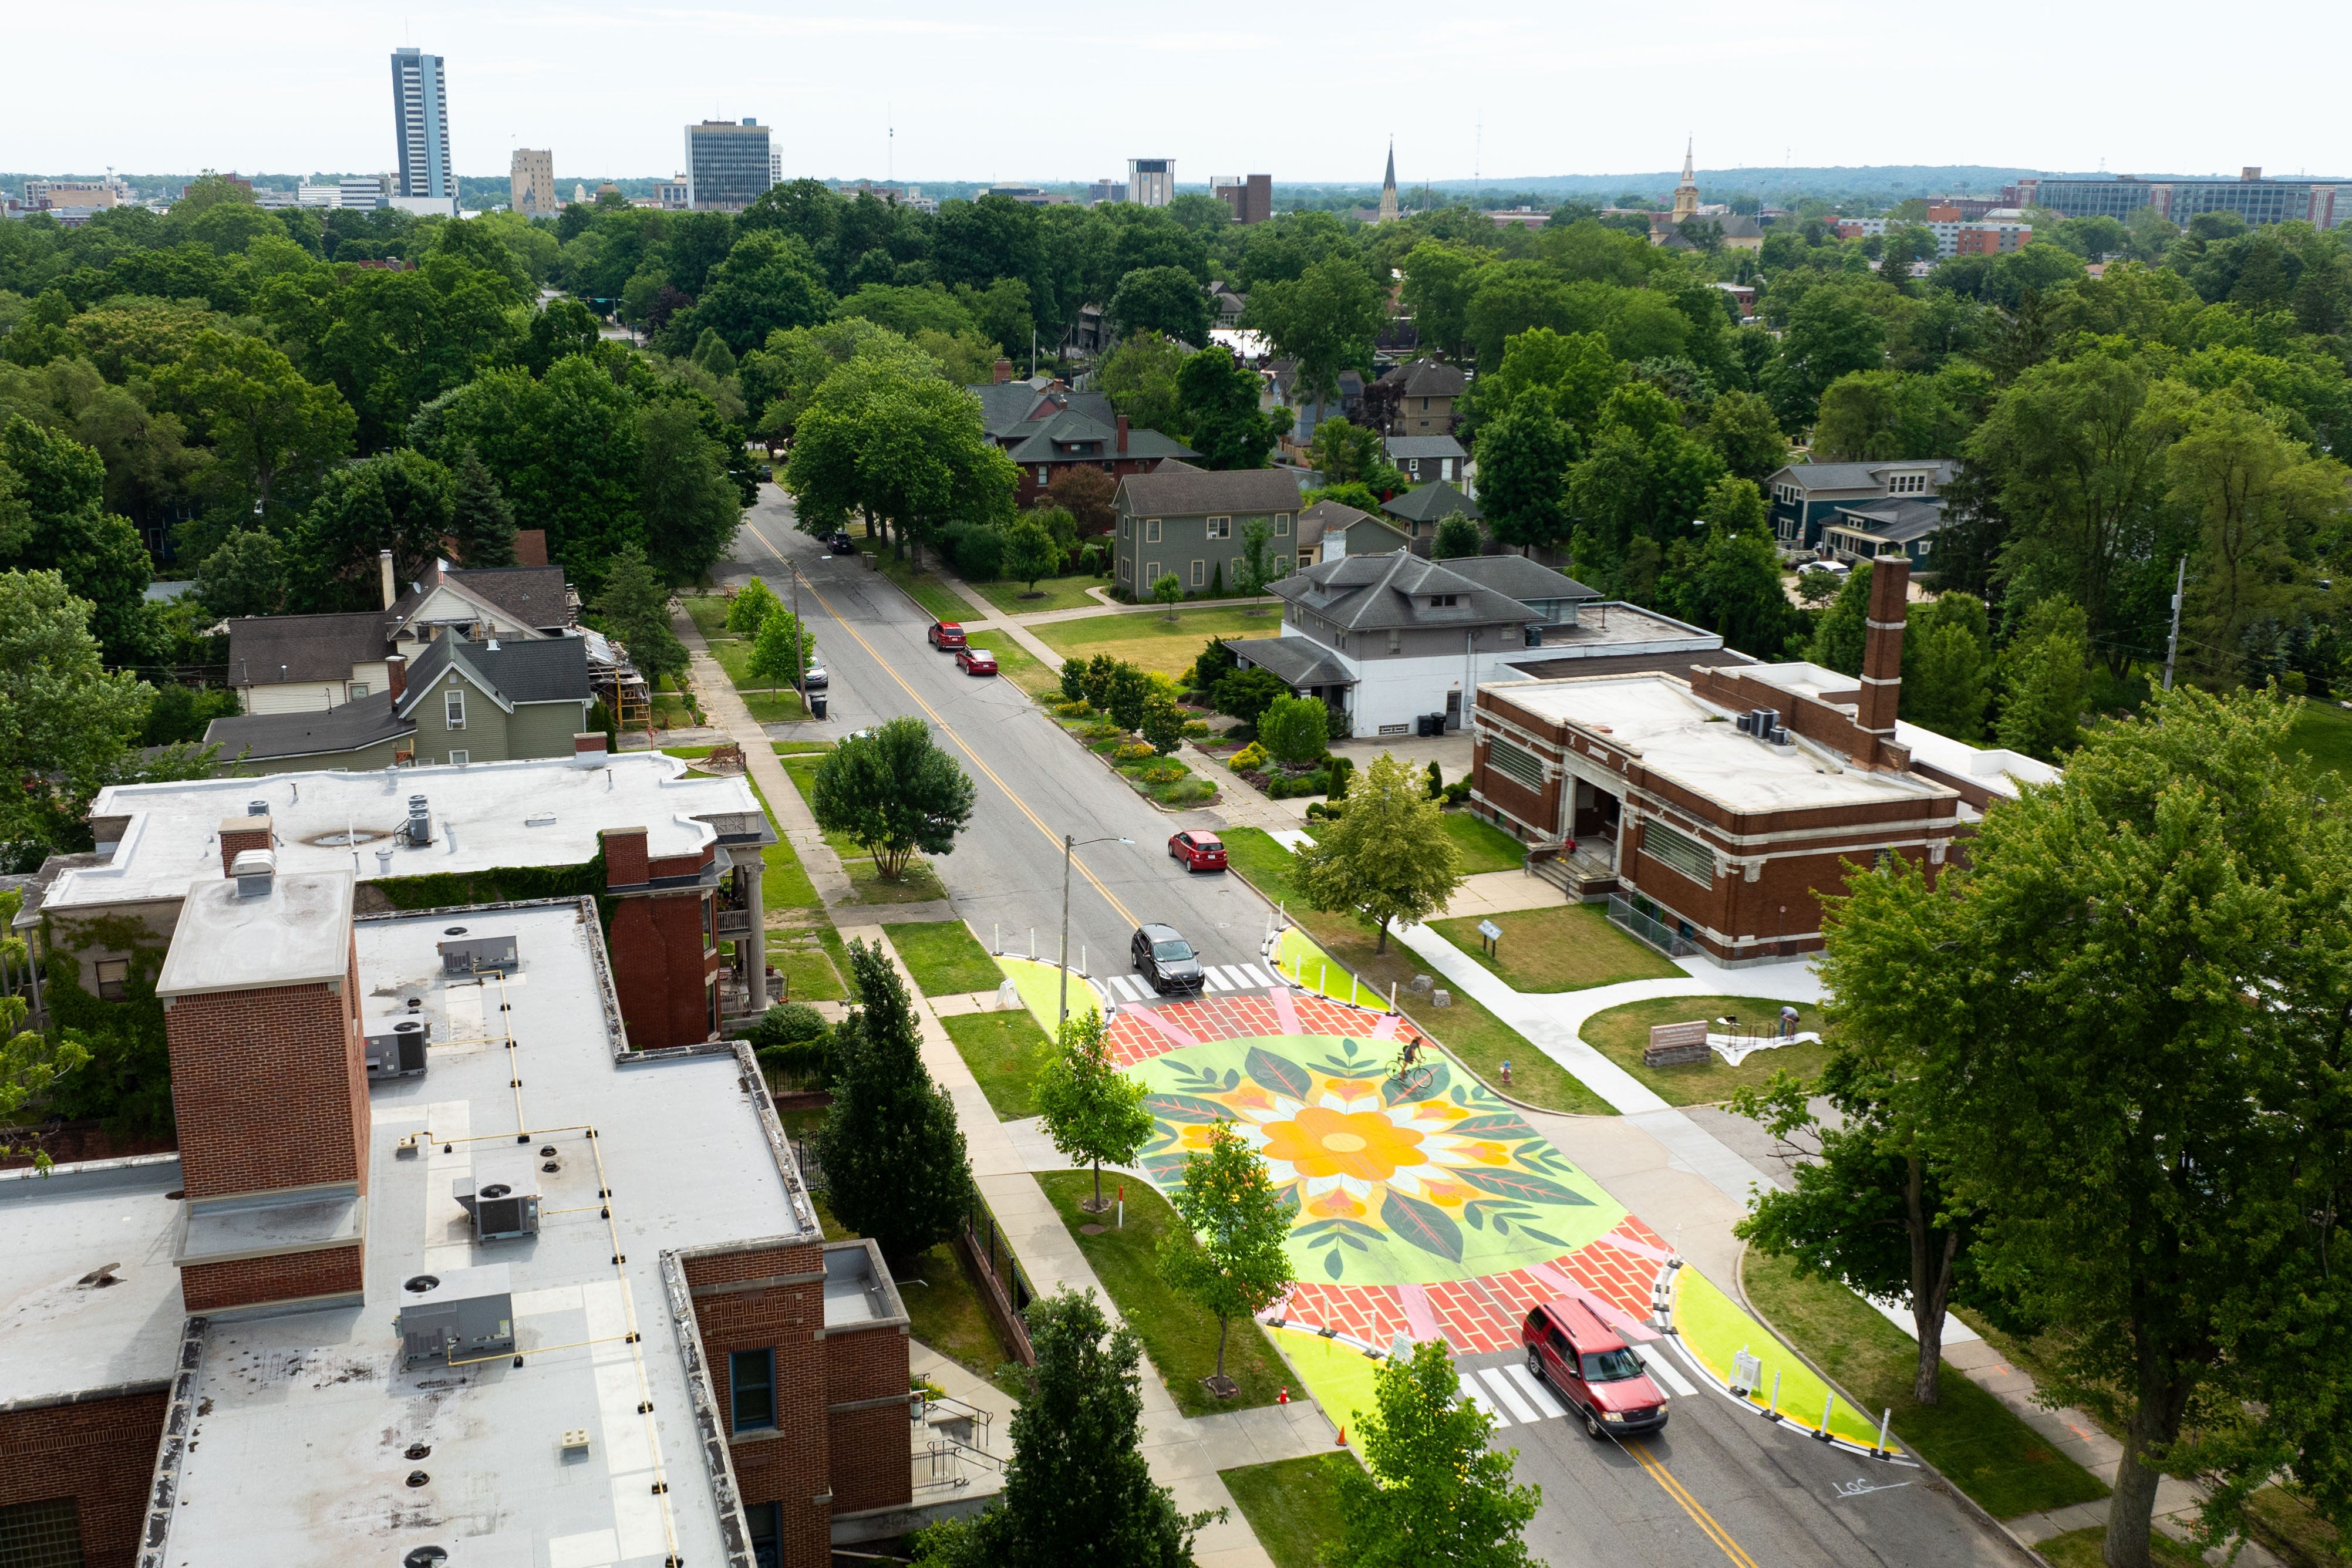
(1162,724)
(1078,1488)
(893,1154)
(1092,1111)
(2127,1012)
(1388,858)
(782,651)
(1169,591)
(1255,566)
(894,791)
(1230,1255)
(1431,1492)
(748,610)
(636,609)
(1125,692)
(1030,553)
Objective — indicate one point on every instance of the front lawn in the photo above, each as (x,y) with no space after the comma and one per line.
(784,882)
(1053,593)
(2323,732)
(807,968)
(1153,642)
(1621,1033)
(1476,1038)
(925,587)
(1179,1338)
(1969,1435)
(943,957)
(1005,1052)
(944,1311)
(1567,948)
(1292,1505)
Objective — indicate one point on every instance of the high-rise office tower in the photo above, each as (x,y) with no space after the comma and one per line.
(420,120)
(1151,182)
(532,182)
(726,165)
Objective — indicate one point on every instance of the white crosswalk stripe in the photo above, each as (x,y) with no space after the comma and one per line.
(1234,976)
(1477,1396)
(1218,981)
(1662,1370)
(1493,1379)
(1129,988)
(1538,1392)
(1257,975)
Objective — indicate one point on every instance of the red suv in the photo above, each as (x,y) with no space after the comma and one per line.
(1592,1368)
(945,634)
(1198,850)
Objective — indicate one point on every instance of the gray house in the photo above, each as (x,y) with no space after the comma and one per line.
(456,701)
(1806,498)
(1423,458)
(1193,522)
(1420,510)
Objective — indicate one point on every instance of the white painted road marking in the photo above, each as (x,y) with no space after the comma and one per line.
(1509,1395)
(1664,1370)
(1129,988)
(1257,976)
(1538,1392)
(1477,1396)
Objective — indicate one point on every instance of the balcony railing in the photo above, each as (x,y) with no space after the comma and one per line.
(1647,929)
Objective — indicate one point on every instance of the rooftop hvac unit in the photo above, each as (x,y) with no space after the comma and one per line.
(480,955)
(395,1047)
(455,1315)
(420,822)
(502,1195)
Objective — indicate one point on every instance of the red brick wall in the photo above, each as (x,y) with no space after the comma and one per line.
(289,1277)
(869,1467)
(269,1088)
(624,857)
(101,1454)
(792,1465)
(661,969)
(236,841)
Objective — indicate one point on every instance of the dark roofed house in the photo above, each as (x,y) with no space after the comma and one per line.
(1904,526)
(1422,459)
(1194,521)
(1416,398)
(1045,427)
(1420,510)
(1806,498)
(1315,520)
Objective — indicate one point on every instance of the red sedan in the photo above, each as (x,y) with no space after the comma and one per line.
(1199,850)
(975,660)
(945,634)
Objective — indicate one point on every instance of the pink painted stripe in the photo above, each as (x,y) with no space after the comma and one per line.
(1386,1028)
(1638,1248)
(1616,1317)
(1152,1016)
(1418,1317)
(1286,1012)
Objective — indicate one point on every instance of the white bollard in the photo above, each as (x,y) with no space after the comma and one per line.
(1827,1401)
(1773,1409)
(996,942)
(1884,1423)
(1324,986)
(1033,943)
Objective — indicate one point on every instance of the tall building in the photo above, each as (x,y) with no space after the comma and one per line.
(727,165)
(1106,190)
(1686,193)
(420,122)
(1151,182)
(1388,187)
(1251,196)
(775,167)
(364,192)
(2321,203)
(531,180)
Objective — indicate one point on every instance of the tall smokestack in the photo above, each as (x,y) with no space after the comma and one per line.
(383,569)
(1882,644)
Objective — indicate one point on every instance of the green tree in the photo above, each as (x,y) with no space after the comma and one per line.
(1349,454)
(1030,553)
(1124,692)
(1080,1488)
(65,722)
(749,610)
(1523,462)
(1138,376)
(1325,320)
(691,507)
(53,518)
(1245,694)
(2153,1158)
(1217,406)
(1257,564)
(893,1154)
(399,501)
(1169,591)
(782,652)
(1433,1491)
(1873,415)
(1232,1257)
(1163,722)
(2045,674)
(1439,280)
(1831,332)
(885,438)
(1388,859)
(1163,299)
(635,610)
(481,524)
(1731,585)
(894,791)
(768,283)
(1092,1111)
(1948,666)
(1839,635)
(1457,536)
(1295,730)
(1746,433)
(245,576)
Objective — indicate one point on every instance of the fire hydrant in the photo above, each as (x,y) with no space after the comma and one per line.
(1507,1074)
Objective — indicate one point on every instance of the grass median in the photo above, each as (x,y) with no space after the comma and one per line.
(1005,1052)
(1623,1033)
(1567,948)
(943,957)
(1292,1505)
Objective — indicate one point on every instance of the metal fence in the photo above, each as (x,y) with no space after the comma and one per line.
(1647,928)
(1002,1278)
(811,1168)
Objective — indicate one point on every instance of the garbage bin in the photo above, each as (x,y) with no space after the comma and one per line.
(816,705)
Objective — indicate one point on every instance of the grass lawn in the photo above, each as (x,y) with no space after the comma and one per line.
(2323,732)
(2285,1522)
(799,747)
(919,884)
(1478,1040)
(925,587)
(708,613)
(944,1312)
(671,711)
(1053,593)
(1004,1051)
(1153,642)
(1292,1505)
(2086,1548)
(1484,846)
(1179,1338)
(1019,665)
(734,656)
(1621,1033)
(1970,1435)
(783,881)
(1564,948)
(943,957)
(774,707)
(807,968)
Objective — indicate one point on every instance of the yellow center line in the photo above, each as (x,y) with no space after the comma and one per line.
(948,730)
(1690,1505)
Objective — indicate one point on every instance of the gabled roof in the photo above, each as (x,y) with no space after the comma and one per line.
(1008,409)
(1376,592)
(1427,378)
(1187,491)
(544,669)
(1811,477)
(529,595)
(1526,580)
(351,727)
(1424,446)
(1050,439)
(1899,519)
(274,650)
(1313,521)
(1428,503)
(1299,660)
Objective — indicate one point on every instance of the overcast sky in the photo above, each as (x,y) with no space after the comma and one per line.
(1308,91)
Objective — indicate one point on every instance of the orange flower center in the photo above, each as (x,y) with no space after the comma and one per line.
(1365,1144)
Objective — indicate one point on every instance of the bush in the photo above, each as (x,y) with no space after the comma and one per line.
(1294,729)
(1195,728)
(1247,693)
(1325,811)
(1337,725)
(749,609)
(1283,787)
(1216,663)
(1163,772)
(787,1023)
(1135,751)
(1248,760)
(1340,768)
(1103,729)
(976,549)
(1457,793)
(1078,709)
(793,1040)
(1436,786)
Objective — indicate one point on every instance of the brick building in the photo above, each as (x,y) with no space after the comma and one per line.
(1045,428)
(644,1349)
(1712,808)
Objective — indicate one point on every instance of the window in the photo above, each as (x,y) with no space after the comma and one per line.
(1906,485)
(751,1390)
(459,759)
(359,690)
(113,974)
(1199,574)
(454,706)
(1444,600)
(1043,476)
(1127,527)
(1150,574)
(1221,528)
(1926,545)
(1396,640)
(1679,852)
(1306,560)
(765,1521)
(1282,524)
(45,1534)
(1152,530)
(1515,763)
(1126,569)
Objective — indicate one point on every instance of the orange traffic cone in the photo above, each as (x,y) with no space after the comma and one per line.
(1343,1438)
(1284,1397)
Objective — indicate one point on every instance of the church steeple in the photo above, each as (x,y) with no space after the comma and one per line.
(1388,187)
(1687,194)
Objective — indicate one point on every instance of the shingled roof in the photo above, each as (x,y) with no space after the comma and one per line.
(1429,502)
(1199,492)
(1377,593)
(272,650)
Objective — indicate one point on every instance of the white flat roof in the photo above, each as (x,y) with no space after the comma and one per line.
(1999,772)
(297,933)
(1694,743)
(307,1420)
(1800,678)
(541,812)
(60,1337)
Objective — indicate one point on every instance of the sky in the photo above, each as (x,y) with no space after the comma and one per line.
(1308,91)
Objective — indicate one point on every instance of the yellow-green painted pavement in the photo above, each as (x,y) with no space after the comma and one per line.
(1714,1330)
(1041,991)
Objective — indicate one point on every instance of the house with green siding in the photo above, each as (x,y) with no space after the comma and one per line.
(456,701)
(1193,522)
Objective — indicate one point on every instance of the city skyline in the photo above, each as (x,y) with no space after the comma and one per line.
(307,93)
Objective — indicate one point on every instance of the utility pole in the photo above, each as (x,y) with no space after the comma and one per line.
(800,670)
(1069,847)
(2172,645)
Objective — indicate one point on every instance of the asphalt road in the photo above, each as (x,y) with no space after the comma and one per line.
(1715,1486)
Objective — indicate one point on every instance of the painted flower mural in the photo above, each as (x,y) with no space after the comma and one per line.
(1387,1186)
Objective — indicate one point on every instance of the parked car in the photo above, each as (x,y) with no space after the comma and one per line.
(1199,850)
(839,543)
(768,473)
(945,634)
(1165,960)
(817,680)
(1592,1368)
(975,660)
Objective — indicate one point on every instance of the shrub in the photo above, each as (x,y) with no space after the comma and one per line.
(1163,772)
(1135,751)
(793,1040)
(1437,788)
(787,1023)
(1337,726)
(1340,768)
(1216,663)
(1326,810)
(750,608)
(1195,728)
(1457,793)
(1078,709)
(1103,729)
(1281,787)
(977,550)
(1247,759)
(1247,693)
(1294,729)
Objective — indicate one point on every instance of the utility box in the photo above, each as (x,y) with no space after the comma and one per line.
(455,1315)
(471,955)
(502,1196)
(395,1047)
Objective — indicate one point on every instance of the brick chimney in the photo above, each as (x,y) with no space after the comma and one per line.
(1003,371)
(396,676)
(238,834)
(1882,645)
(626,860)
(588,748)
(1122,434)
(383,571)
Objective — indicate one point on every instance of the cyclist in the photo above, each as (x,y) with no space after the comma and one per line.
(1411,1056)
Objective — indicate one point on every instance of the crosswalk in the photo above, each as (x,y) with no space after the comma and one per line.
(1514,1396)
(1218,978)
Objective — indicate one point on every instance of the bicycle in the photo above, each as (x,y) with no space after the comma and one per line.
(1411,1075)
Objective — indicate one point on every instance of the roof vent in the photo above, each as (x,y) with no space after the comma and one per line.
(503,1197)
(256,807)
(420,822)
(253,871)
